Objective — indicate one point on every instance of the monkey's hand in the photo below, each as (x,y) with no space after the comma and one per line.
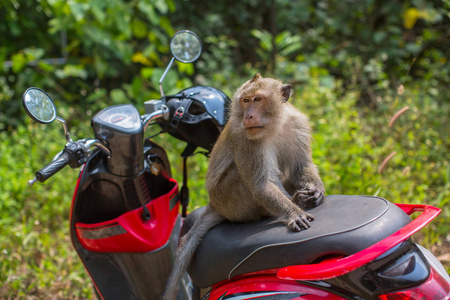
(308,198)
(300,222)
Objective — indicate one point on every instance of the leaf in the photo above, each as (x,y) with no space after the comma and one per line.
(172,6)
(100,65)
(99,14)
(379,36)
(118,96)
(281,37)
(78,9)
(45,67)
(290,49)
(162,6)
(147,72)
(137,85)
(169,83)
(165,23)
(72,71)
(125,51)
(186,68)
(18,62)
(34,53)
(139,28)
(265,39)
(96,95)
(148,10)
(138,57)
(410,17)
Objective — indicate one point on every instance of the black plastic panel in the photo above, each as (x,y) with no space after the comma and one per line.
(104,196)
(125,143)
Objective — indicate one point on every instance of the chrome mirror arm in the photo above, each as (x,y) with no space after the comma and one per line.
(163,97)
(66,129)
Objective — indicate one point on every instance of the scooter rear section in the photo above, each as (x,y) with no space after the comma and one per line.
(414,281)
(358,248)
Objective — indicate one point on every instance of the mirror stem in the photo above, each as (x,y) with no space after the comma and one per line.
(66,129)
(163,97)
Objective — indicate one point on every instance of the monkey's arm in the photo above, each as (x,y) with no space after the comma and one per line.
(220,160)
(272,199)
(259,173)
(308,190)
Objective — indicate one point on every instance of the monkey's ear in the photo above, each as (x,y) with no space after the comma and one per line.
(286,92)
(256,77)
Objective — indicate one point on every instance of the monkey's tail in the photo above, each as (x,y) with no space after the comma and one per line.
(186,250)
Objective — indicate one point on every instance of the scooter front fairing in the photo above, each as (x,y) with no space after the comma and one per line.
(125,228)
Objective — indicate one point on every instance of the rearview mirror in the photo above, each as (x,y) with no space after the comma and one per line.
(38,105)
(186,46)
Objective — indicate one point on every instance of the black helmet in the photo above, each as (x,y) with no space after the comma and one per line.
(197,115)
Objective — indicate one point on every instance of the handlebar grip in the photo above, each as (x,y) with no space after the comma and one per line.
(53,167)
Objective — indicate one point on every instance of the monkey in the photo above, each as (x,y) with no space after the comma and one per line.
(261,165)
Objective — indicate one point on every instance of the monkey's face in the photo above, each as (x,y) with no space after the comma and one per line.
(258,104)
(255,117)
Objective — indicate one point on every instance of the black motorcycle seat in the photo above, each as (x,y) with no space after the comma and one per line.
(343,225)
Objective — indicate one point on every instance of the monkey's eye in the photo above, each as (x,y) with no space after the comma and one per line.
(257,99)
(246,100)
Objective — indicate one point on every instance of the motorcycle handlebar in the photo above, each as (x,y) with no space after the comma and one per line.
(53,167)
(161,112)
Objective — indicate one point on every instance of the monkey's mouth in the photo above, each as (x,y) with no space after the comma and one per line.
(254,128)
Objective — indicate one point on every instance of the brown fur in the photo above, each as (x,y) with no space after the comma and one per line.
(260,166)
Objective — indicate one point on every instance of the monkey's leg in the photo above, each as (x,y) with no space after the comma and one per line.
(187,248)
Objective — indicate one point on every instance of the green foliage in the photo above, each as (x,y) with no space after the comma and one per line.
(352,70)
(36,258)
(370,48)
(104,46)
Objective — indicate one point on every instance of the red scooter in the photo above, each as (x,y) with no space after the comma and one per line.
(125,218)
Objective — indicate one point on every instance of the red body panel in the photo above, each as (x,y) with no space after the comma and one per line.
(341,266)
(129,232)
(435,287)
(267,286)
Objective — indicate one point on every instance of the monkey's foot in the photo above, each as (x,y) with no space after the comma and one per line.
(300,222)
(308,198)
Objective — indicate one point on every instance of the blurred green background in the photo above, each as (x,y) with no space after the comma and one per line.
(353,65)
